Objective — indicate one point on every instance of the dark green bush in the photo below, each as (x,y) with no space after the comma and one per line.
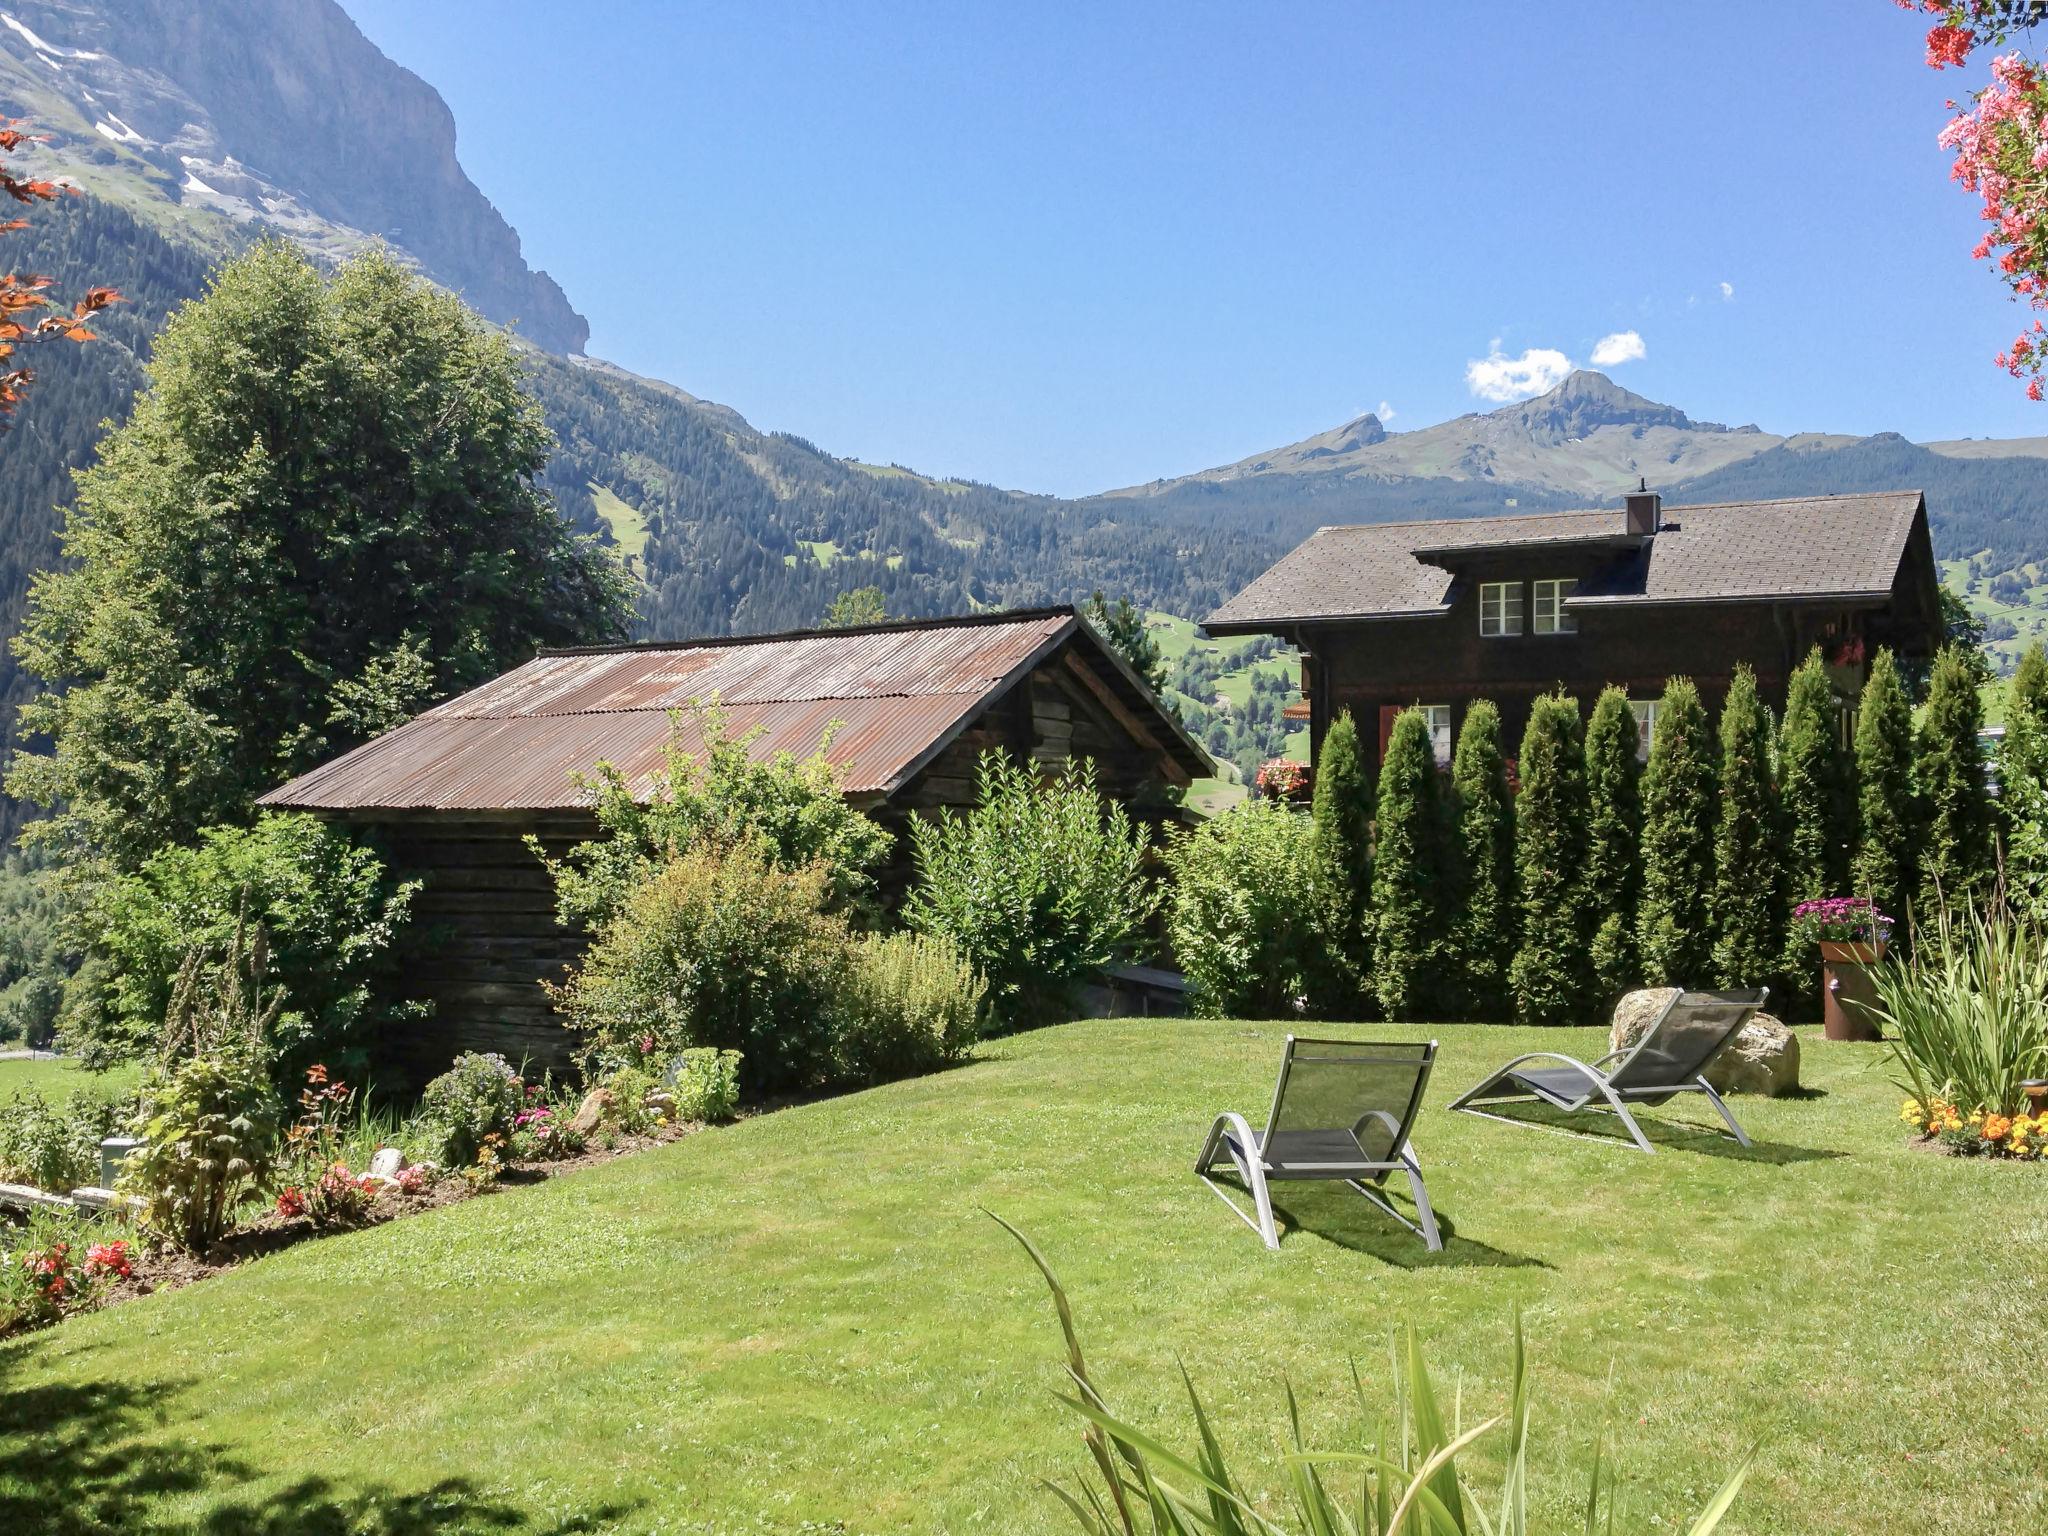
(913,1003)
(1041,885)
(1674,923)
(1886,866)
(1614,843)
(329,914)
(1552,972)
(1749,911)
(1484,918)
(1956,846)
(1341,986)
(1410,923)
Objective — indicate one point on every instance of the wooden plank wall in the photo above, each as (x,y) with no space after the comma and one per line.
(484,935)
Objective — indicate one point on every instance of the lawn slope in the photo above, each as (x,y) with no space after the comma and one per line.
(807,1318)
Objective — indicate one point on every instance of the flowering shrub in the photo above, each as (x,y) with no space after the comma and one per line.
(1282,778)
(474,1101)
(1841,920)
(50,1277)
(320,1184)
(414,1181)
(2001,154)
(541,1132)
(1978,1133)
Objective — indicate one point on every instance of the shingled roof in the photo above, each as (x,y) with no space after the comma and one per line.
(1799,548)
(891,696)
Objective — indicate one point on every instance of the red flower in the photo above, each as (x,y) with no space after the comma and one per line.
(1948,44)
(291,1201)
(109,1259)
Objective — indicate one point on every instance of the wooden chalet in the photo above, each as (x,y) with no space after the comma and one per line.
(1505,608)
(908,708)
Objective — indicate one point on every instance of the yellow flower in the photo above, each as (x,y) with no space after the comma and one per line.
(1996,1127)
(2017,1146)
(1911,1113)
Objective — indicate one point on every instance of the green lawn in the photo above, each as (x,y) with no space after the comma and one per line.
(805,1322)
(55,1079)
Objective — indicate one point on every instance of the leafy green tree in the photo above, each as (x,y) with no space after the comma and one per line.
(1409,920)
(1674,923)
(1342,848)
(1614,842)
(1041,885)
(1888,812)
(1122,624)
(859,605)
(1551,972)
(1749,905)
(1957,848)
(1483,851)
(323,513)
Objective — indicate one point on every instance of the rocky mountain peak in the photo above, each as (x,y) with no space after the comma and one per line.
(272,112)
(1585,401)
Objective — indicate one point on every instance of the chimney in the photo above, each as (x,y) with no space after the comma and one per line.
(1645,509)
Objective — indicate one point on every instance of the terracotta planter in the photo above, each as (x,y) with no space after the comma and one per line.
(2036,1090)
(1847,992)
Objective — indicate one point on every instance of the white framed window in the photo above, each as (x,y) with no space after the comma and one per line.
(1500,608)
(1645,711)
(1551,616)
(1439,718)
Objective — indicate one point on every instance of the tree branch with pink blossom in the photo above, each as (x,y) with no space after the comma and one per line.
(2000,144)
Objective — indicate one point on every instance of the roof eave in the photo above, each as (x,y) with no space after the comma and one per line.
(1258,626)
(1633,600)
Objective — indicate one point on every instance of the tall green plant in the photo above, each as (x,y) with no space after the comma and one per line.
(1888,814)
(1484,922)
(1410,924)
(1342,820)
(1816,792)
(1673,926)
(1614,842)
(1404,1477)
(1956,849)
(2023,783)
(1965,1016)
(1041,885)
(1749,906)
(1249,940)
(1551,973)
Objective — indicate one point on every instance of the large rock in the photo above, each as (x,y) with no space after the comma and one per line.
(1763,1057)
(591,1112)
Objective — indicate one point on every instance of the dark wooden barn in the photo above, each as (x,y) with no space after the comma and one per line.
(1441,613)
(908,708)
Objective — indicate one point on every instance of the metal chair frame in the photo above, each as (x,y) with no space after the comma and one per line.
(1231,1137)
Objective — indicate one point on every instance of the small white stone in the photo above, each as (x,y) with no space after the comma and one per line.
(387,1163)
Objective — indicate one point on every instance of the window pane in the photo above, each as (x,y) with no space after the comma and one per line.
(1500,608)
(1645,711)
(1439,717)
(1551,617)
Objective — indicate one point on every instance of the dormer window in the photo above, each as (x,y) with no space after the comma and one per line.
(1552,618)
(1500,608)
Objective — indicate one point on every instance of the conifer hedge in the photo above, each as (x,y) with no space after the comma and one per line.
(1483,847)
(1342,846)
(1614,842)
(1675,922)
(1749,908)
(1888,810)
(1956,849)
(1551,974)
(1410,935)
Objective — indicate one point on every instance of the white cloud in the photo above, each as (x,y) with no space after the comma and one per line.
(1385,413)
(1621,347)
(1727,290)
(1499,377)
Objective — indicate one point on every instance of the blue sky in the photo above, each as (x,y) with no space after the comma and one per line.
(1066,247)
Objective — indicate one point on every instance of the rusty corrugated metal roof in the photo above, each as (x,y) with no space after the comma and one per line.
(889,695)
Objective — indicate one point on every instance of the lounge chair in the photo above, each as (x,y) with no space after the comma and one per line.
(1341,1112)
(1671,1058)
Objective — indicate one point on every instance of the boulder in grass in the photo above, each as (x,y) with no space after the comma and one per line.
(1763,1058)
(590,1113)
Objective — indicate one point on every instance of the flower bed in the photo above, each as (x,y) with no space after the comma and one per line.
(2023,1138)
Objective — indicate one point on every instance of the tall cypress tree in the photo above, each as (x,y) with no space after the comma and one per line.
(1673,921)
(1887,803)
(1614,842)
(1483,845)
(1749,908)
(1343,854)
(1407,874)
(1551,974)
(2023,782)
(1956,850)
(1817,794)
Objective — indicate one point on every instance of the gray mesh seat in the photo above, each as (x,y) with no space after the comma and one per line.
(1671,1058)
(1341,1111)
